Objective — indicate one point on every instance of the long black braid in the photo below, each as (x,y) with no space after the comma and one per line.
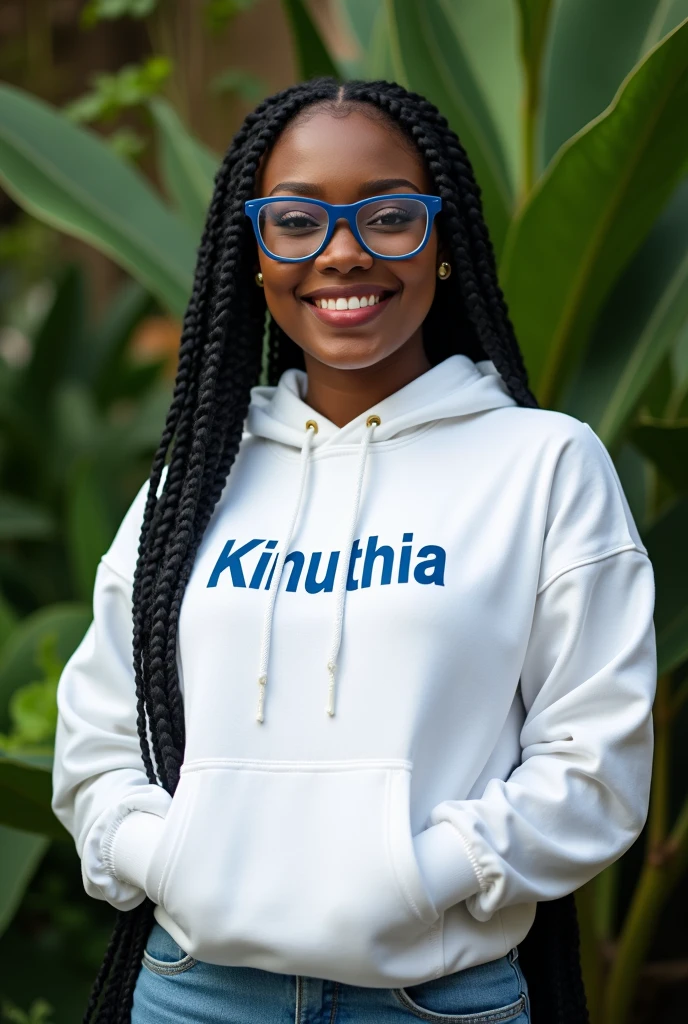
(220,360)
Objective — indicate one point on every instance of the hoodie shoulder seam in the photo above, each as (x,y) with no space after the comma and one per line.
(588,561)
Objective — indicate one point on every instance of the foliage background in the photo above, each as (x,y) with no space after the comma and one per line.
(112,114)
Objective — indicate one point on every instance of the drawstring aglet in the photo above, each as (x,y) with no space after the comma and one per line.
(331,668)
(262,680)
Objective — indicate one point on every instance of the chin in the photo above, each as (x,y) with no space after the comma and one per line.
(349,353)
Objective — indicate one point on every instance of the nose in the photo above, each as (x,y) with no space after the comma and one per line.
(343,252)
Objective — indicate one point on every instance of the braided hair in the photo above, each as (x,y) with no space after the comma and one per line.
(220,360)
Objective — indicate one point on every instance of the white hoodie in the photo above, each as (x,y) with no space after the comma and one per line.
(455,730)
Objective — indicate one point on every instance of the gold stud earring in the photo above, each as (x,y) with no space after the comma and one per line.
(444,270)
(259,280)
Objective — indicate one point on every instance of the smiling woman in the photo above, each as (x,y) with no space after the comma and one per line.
(367,694)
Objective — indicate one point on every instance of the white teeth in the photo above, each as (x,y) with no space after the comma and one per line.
(352,303)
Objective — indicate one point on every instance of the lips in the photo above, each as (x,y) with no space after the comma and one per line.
(356,311)
(349,306)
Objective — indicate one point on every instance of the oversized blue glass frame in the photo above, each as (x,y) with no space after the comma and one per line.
(342,211)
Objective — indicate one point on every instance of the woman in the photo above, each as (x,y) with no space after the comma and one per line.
(388,691)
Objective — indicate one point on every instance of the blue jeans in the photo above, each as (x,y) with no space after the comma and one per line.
(173,988)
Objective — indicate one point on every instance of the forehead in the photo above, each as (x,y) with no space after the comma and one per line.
(339,154)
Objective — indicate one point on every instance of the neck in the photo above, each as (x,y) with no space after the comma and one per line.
(342,394)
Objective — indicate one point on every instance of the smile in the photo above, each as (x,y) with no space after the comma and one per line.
(350,310)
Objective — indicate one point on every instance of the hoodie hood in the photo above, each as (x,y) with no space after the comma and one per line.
(455,387)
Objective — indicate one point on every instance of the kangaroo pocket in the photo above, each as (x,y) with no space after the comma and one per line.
(300,868)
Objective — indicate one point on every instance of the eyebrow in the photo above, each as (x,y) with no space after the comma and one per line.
(368,188)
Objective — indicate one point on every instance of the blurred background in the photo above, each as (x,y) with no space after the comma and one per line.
(113,114)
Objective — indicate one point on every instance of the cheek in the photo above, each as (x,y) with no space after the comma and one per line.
(420,281)
(280,280)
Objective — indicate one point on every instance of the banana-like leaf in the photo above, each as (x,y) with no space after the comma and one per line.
(60,334)
(90,525)
(665,443)
(668,551)
(428,57)
(20,855)
(188,167)
(367,20)
(312,56)
(645,314)
(68,177)
(594,46)
(361,16)
(489,38)
(25,797)
(18,665)
(591,211)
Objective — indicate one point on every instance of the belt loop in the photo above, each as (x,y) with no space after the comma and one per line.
(513,954)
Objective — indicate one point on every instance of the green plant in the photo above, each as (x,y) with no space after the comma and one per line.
(40,1012)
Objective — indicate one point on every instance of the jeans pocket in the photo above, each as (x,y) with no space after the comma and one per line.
(489,993)
(163,955)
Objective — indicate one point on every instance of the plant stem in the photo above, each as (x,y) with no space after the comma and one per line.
(591,962)
(658,819)
(663,868)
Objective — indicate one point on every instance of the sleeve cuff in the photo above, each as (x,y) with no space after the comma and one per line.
(133,844)
(445,865)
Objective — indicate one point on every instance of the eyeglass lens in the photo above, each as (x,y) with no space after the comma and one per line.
(389,227)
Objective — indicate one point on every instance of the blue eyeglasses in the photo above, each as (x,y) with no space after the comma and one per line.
(292,229)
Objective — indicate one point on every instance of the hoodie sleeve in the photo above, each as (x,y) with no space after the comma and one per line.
(99,779)
(579,798)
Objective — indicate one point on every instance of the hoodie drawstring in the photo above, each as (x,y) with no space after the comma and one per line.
(311,430)
(343,568)
(340,586)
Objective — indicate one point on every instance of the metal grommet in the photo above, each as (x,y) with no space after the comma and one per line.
(312,423)
(373,420)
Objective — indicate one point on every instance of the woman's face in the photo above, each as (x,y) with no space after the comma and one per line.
(342,160)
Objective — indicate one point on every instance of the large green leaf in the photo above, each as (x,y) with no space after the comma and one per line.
(594,46)
(59,335)
(640,322)
(90,526)
(367,20)
(25,796)
(668,551)
(590,212)
(70,178)
(488,33)
(188,167)
(361,16)
(18,665)
(428,58)
(20,855)
(312,56)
